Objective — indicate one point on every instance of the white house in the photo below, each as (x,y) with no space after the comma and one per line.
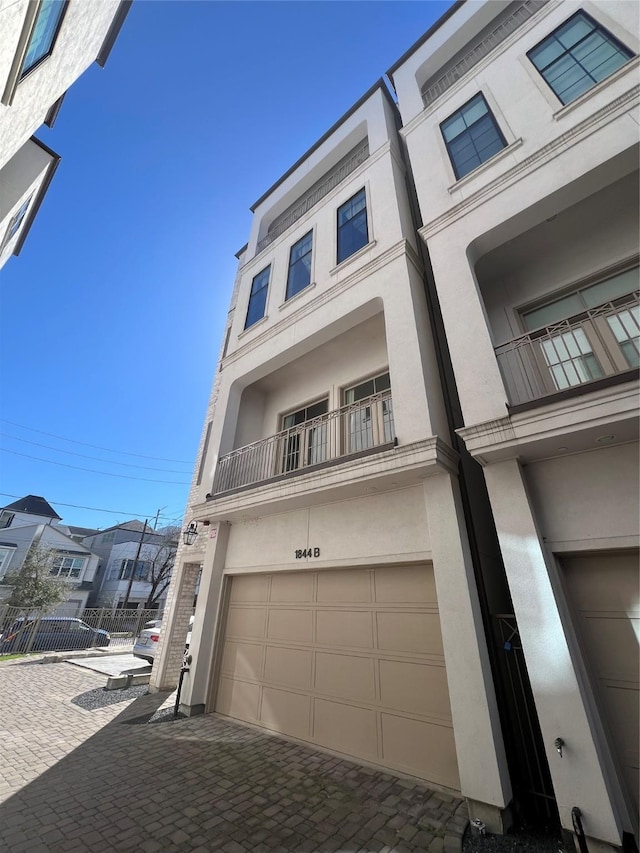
(415,502)
(32,522)
(46,45)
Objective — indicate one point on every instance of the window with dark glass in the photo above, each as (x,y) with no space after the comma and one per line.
(258,297)
(353,232)
(44,33)
(299,275)
(472,136)
(578,55)
(15,222)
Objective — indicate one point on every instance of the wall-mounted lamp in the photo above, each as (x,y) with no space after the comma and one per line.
(189,533)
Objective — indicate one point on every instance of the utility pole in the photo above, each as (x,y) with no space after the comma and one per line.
(133,568)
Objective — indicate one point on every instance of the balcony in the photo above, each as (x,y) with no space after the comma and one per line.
(351,431)
(596,344)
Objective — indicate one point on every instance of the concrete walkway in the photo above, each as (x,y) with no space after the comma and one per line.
(100,777)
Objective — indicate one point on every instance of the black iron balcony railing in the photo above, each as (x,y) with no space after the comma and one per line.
(353,429)
(602,341)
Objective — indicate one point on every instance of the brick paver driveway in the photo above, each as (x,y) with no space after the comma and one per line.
(99,780)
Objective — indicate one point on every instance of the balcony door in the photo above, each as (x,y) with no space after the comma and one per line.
(369,416)
(304,440)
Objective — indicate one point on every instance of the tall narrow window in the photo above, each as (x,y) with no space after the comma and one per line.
(14,224)
(353,232)
(258,297)
(370,423)
(578,55)
(305,439)
(472,136)
(299,275)
(44,33)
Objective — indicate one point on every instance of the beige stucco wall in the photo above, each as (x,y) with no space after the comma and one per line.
(587,500)
(389,527)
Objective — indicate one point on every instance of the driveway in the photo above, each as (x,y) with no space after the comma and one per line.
(81,775)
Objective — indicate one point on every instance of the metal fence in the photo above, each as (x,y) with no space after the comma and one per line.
(24,631)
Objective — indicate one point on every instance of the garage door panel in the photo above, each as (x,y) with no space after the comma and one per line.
(238,699)
(292,587)
(348,628)
(246,622)
(405,584)
(413,687)
(346,676)
(288,666)
(409,632)
(346,728)
(348,585)
(243,660)
(250,588)
(285,712)
(293,626)
(339,658)
(414,745)
(604,592)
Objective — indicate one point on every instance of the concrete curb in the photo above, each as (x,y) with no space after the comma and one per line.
(121,682)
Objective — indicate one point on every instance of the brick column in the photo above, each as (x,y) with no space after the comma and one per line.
(178,611)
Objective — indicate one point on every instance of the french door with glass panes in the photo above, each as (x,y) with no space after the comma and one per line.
(304,437)
(368,414)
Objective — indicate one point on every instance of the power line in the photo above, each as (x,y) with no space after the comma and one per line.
(96,446)
(95,458)
(99,509)
(92,470)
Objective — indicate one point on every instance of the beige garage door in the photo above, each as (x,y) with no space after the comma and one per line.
(349,659)
(604,590)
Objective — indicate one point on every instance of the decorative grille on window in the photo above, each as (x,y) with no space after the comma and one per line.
(317,192)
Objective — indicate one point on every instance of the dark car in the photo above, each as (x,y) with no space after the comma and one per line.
(52,633)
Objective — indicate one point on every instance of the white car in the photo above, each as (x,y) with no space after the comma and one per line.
(146,644)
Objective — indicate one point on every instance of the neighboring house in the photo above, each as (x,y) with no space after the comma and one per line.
(31,521)
(416,495)
(46,45)
(129,548)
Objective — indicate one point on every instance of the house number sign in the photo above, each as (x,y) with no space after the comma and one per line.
(305,553)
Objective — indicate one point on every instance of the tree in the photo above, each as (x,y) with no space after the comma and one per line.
(33,586)
(162,557)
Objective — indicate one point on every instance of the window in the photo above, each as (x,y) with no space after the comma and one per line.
(308,445)
(591,332)
(578,55)
(67,567)
(353,232)
(15,222)
(472,136)
(6,518)
(371,423)
(44,33)
(300,265)
(141,572)
(258,297)
(5,559)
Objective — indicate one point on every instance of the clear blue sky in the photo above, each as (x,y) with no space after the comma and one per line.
(112,315)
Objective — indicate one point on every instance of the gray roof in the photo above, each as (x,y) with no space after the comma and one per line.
(34,505)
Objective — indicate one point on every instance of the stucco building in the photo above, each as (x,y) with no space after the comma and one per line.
(416,494)
(46,45)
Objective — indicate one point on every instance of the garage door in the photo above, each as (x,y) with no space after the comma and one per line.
(605,595)
(350,660)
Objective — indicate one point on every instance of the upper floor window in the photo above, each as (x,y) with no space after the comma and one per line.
(578,55)
(5,559)
(472,136)
(258,297)
(44,33)
(6,518)
(67,567)
(353,232)
(299,275)
(15,222)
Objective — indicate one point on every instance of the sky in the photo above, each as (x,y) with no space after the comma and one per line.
(111,317)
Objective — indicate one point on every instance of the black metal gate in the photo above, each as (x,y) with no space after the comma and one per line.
(533,791)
